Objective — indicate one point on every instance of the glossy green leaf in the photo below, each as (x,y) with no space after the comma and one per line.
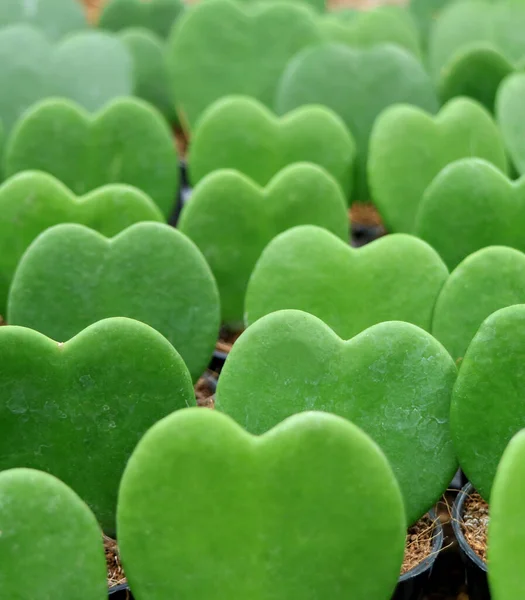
(309,134)
(71,277)
(397,277)
(51,545)
(157,16)
(309,510)
(77,409)
(409,147)
(231,220)
(358,84)
(127,142)
(510,114)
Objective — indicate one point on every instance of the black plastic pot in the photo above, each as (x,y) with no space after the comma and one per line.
(183,194)
(217,361)
(364,234)
(478,587)
(412,585)
(120,592)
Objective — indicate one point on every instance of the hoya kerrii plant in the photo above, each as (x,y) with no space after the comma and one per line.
(486,281)
(309,134)
(409,147)
(510,115)
(357,84)
(51,544)
(77,409)
(149,272)
(232,219)
(506,532)
(474,45)
(32,201)
(128,141)
(487,404)
(393,380)
(246,55)
(55,18)
(33,68)
(397,277)
(158,16)
(309,509)
(470,205)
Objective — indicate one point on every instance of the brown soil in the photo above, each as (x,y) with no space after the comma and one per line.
(474,524)
(366,214)
(226,340)
(418,544)
(204,391)
(114,567)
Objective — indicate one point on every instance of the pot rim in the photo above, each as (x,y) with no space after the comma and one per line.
(457,516)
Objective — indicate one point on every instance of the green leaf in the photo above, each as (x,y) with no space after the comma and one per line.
(158,16)
(358,84)
(506,526)
(76,410)
(31,202)
(426,12)
(71,277)
(510,114)
(231,220)
(309,510)
(127,142)
(471,205)
(487,403)
(409,147)
(397,277)
(245,55)
(150,70)
(55,18)
(393,380)
(51,545)
(32,69)
(309,134)
(486,281)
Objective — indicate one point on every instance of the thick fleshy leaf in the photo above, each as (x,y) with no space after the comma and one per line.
(510,113)
(157,16)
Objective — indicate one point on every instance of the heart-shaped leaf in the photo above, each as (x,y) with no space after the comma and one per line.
(150,70)
(245,55)
(77,409)
(71,277)
(510,115)
(309,510)
(486,281)
(506,526)
(31,201)
(127,142)
(32,69)
(393,380)
(309,134)
(409,147)
(54,17)
(468,206)
(425,13)
(231,220)
(357,84)
(156,15)
(51,545)
(397,277)
(487,403)
(381,25)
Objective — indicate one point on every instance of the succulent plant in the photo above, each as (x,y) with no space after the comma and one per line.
(484,282)
(231,220)
(510,115)
(394,381)
(32,68)
(77,409)
(487,403)
(149,272)
(127,142)
(246,55)
(158,16)
(51,544)
(397,277)
(311,509)
(409,147)
(32,201)
(309,134)
(357,84)
(471,205)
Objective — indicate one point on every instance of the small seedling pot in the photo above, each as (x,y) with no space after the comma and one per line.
(364,234)
(476,568)
(217,361)
(120,592)
(183,194)
(412,585)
